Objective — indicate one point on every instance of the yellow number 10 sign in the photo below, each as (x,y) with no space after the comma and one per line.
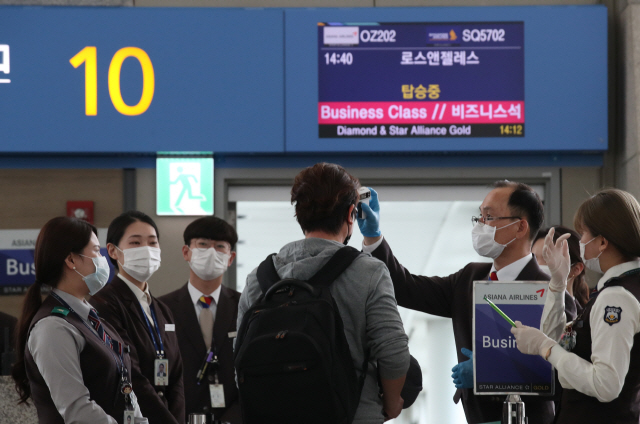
(89,56)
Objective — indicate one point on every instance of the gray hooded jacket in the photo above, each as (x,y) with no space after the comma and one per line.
(366,302)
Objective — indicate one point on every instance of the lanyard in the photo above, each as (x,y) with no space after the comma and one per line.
(116,355)
(157,345)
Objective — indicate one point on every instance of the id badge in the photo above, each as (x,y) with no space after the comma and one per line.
(217,395)
(129,417)
(161,371)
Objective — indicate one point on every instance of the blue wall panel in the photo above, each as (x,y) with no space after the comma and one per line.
(222,74)
(218,80)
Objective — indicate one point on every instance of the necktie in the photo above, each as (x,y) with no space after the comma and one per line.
(493,276)
(206,319)
(97,325)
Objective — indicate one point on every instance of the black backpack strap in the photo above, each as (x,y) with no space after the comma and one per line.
(336,266)
(267,274)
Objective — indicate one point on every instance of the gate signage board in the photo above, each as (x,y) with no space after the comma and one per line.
(17,268)
(499,367)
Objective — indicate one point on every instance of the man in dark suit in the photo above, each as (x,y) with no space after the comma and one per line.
(509,218)
(205,313)
(161,372)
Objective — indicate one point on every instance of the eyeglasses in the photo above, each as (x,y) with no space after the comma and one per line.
(484,220)
(204,244)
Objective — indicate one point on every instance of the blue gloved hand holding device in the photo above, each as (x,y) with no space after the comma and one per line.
(369,215)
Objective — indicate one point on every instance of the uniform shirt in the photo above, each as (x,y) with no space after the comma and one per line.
(195,295)
(507,273)
(55,346)
(511,271)
(144,297)
(611,345)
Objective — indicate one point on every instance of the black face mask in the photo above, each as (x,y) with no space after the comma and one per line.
(346,240)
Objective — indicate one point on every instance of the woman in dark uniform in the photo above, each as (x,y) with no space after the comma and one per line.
(144,322)
(69,361)
(599,367)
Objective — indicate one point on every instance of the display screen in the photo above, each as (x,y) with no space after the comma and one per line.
(421,79)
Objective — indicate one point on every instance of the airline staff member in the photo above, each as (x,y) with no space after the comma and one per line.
(206,312)
(599,367)
(70,362)
(510,216)
(145,323)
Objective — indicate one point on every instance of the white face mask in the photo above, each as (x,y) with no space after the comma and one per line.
(141,262)
(208,264)
(594,263)
(483,237)
(545,269)
(99,278)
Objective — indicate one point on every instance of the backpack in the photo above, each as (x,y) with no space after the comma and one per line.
(292,358)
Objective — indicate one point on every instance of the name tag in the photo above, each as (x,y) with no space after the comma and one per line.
(161,367)
(233,334)
(169,327)
(217,395)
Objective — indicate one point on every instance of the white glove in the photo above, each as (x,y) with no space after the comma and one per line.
(532,341)
(557,258)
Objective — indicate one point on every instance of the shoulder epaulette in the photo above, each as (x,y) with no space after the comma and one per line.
(59,310)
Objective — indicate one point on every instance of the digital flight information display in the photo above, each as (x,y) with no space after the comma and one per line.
(462,79)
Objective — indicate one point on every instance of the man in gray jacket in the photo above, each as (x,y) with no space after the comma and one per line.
(325,198)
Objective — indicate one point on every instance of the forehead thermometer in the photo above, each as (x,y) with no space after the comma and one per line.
(502,314)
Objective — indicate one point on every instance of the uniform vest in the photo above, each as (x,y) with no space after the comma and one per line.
(99,371)
(576,407)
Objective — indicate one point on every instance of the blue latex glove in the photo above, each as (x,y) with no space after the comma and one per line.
(370,226)
(463,372)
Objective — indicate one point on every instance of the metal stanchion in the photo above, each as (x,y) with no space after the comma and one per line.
(513,410)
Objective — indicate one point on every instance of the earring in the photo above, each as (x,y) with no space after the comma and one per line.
(74,267)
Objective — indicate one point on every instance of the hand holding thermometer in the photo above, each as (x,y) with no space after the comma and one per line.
(502,314)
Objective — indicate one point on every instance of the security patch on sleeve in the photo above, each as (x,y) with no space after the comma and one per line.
(612,314)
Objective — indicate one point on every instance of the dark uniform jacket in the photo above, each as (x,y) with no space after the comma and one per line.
(118,306)
(100,373)
(577,407)
(452,297)
(193,350)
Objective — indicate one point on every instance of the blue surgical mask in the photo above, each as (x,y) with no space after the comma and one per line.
(98,279)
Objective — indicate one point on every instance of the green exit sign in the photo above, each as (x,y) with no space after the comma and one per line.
(184,186)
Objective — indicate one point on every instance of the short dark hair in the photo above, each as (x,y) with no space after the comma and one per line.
(119,226)
(323,194)
(212,228)
(524,202)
